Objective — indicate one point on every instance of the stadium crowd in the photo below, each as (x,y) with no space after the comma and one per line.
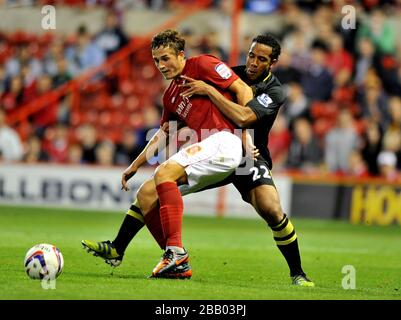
(342,115)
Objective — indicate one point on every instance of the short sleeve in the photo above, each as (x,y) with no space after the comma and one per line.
(265,104)
(215,72)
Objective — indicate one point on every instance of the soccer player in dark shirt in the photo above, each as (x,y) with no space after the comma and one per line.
(257,187)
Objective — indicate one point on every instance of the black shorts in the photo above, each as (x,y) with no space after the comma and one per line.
(259,174)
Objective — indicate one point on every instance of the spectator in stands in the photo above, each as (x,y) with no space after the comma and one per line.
(392,142)
(344,92)
(387,70)
(279,142)
(380,31)
(33,151)
(356,165)
(297,104)
(192,42)
(14,63)
(87,137)
(365,59)
(387,161)
(244,48)
(373,100)
(210,44)
(151,120)
(290,18)
(75,152)
(10,143)
(325,30)
(2,80)
(14,95)
(62,74)
(296,44)
(111,38)
(64,110)
(105,153)
(55,53)
(128,149)
(340,142)
(371,146)
(57,143)
(29,83)
(284,70)
(317,81)
(338,59)
(48,115)
(304,153)
(84,54)
(394,103)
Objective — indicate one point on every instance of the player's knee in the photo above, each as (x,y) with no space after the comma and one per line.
(146,196)
(169,171)
(161,174)
(271,212)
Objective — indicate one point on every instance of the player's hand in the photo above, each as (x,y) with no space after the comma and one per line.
(193,86)
(250,149)
(127,174)
(166,127)
(255,152)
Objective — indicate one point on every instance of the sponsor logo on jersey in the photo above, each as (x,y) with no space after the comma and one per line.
(223,71)
(264,99)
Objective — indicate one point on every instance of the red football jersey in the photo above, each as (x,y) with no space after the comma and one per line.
(198,111)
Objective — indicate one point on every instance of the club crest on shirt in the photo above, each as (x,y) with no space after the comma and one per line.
(223,70)
(264,99)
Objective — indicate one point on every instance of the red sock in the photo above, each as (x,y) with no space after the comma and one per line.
(171,212)
(152,221)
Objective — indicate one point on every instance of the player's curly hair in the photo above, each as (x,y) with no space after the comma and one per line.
(169,38)
(270,41)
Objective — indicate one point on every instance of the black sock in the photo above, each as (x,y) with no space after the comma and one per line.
(291,255)
(286,240)
(129,228)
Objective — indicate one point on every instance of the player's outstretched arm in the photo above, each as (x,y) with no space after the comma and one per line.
(236,112)
(156,143)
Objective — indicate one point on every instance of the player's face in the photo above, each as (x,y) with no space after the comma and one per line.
(169,63)
(258,60)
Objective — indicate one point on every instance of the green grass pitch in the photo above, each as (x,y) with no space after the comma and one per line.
(231,259)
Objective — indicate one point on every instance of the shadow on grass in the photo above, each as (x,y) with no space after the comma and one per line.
(105,275)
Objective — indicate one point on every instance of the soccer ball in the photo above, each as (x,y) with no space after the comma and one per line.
(43,260)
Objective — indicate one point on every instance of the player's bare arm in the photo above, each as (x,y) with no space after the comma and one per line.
(156,143)
(241,115)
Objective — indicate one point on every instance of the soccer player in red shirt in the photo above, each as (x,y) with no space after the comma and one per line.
(215,155)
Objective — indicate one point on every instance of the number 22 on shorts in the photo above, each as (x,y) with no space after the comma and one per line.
(256,175)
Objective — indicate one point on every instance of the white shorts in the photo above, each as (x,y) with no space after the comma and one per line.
(209,161)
